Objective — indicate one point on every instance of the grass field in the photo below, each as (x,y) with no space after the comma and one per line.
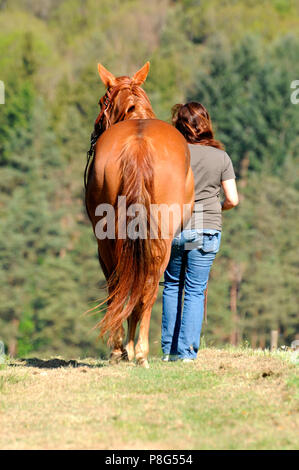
(227,399)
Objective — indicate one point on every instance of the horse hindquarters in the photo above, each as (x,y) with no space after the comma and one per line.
(137,261)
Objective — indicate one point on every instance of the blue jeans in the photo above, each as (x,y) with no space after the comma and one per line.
(192,256)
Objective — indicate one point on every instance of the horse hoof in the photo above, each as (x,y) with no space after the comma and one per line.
(115,358)
(130,355)
(124,356)
(143,363)
(113,361)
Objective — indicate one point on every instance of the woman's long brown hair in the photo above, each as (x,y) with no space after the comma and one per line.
(194,122)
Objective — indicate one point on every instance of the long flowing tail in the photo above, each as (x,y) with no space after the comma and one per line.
(138,260)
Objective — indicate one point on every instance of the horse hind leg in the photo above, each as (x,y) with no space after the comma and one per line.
(142,346)
(118,352)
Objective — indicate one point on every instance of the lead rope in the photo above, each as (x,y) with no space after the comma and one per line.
(89,156)
(95,135)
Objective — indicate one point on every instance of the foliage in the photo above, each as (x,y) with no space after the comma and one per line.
(247,90)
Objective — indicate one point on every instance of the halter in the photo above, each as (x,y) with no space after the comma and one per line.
(98,130)
(98,126)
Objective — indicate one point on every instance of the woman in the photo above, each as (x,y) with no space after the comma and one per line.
(194,250)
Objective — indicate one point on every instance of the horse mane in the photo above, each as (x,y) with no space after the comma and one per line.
(128,101)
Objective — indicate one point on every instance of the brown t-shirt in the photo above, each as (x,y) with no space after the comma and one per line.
(210,166)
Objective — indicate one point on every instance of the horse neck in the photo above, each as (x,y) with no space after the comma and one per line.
(147,113)
(140,103)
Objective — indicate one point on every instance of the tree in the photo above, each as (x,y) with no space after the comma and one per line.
(247,93)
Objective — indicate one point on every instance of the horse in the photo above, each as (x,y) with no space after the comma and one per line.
(144,162)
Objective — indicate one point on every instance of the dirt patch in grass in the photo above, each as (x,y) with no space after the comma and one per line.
(53,363)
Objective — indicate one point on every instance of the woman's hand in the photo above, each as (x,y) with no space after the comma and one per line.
(230,193)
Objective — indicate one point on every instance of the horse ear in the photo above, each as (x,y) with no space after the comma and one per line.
(107,77)
(141,75)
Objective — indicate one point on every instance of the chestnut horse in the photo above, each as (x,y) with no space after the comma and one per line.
(147,161)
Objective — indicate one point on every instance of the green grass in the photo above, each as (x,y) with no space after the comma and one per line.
(8,380)
(293,383)
(227,399)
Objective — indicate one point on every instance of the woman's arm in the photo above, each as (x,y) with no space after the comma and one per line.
(231,194)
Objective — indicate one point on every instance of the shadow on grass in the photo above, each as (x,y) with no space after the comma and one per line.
(55,363)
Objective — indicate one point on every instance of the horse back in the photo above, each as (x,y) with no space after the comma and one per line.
(170,160)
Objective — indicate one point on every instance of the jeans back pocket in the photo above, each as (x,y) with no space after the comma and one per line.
(211,242)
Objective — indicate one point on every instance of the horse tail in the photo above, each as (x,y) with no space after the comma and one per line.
(138,260)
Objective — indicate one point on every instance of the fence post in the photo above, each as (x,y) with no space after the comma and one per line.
(274,339)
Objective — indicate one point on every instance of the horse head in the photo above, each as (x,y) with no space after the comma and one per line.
(124,98)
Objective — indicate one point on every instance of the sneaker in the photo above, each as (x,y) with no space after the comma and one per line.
(169,358)
(187,359)
(174,357)
(166,357)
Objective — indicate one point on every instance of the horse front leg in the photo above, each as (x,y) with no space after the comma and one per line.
(142,346)
(118,352)
(132,325)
